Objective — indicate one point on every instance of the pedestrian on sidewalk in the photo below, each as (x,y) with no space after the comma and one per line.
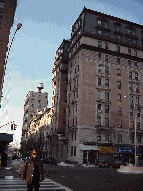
(3,159)
(32,171)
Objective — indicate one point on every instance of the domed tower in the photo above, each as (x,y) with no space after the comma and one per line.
(40,86)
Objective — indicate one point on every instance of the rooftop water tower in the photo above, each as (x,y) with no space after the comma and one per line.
(40,86)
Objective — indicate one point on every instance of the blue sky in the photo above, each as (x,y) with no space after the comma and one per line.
(44,26)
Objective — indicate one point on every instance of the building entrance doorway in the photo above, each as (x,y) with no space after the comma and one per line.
(92,154)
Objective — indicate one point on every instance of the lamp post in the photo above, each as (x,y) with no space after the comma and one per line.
(19,25)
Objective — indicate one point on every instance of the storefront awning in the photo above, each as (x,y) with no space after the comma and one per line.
(89,147)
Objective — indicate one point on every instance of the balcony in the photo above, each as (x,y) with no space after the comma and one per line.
(103,128)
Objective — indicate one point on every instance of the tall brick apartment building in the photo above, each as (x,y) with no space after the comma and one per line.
(104,82)
(7,12)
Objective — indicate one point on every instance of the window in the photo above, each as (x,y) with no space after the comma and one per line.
(72,136)
(70,86)
(129,51)
(118,72)
(136,76)
(106,46)
(138,112)
(118,37)
(106,108)
(132,124)
(33,95)
(119,111)
(106,82)
(118,60)
(138,125)
(76,93)
(73,122)
(119,84)
(132,138)
(107,137)
(106,34)
(138,138)
(107,122)
(134,32)
(118,48)
(99,44)
(39,101)
(32,100)
(32,105)
(128,31)
(74,150)
(99,56)
(105,24)
(69,111)
(98,120)
(71,150)
(131,99)
(75,136)
(117,28)
(119,97)
(71,64)
(2,5)
(31,115)
(135,53)
(107,95)
(45,97)
(98,136)
(99,107)
(135,65)
(99,32)
(99,81)
(129,40)
(137,88)
(120,123)
(131,111)
(99,23)
(99,94)
(119,138)
(137,100)
(106,58)
(130,75)
(134,41)
(39,95)
(99,68)
(106,70)
(131,87)
(76,120)
(1,14)
(129,63)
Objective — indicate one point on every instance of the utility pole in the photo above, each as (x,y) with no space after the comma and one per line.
(113,139)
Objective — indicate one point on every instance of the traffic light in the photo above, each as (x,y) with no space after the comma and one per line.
(15,126)
(12,126)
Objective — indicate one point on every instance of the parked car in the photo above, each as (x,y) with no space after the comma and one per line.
(99,164)
(117,163)
(50,160)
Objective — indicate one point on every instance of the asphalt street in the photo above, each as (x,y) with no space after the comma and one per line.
(97,179)
(79,178)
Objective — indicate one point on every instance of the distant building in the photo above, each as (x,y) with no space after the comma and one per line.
(7,12)
(33,103)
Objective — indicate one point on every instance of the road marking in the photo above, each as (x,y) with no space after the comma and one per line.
(17,184)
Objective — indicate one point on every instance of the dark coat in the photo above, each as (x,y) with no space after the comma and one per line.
(27,170)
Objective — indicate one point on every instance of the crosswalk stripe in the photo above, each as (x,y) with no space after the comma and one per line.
(17,184)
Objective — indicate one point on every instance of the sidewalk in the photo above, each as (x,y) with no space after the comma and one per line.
(8,171)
